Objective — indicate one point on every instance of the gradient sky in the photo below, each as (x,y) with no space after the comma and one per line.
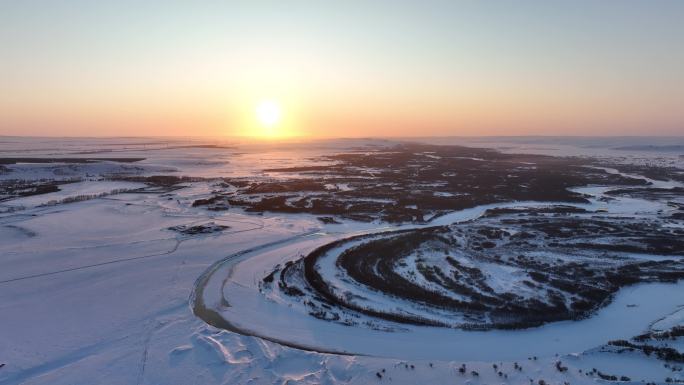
(342,68)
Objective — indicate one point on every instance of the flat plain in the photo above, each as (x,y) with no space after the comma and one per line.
(168,261)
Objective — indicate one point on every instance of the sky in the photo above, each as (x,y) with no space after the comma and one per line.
(341,68)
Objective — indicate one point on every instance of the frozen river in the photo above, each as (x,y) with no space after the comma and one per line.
(231,290)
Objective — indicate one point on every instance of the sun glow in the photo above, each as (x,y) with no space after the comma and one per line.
(269,115)
(275,117)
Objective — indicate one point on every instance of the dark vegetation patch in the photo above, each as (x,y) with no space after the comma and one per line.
(158,183)
(653,172)
(328,220)
(325,295)
(214,203)
(207,228)
(534,211)
(296,185)
(654,344)
(366,264)
(159,180)
(558,288)
(289,270)
(649,193)
(624,236)
(68,160)
(413,182)
(11,189)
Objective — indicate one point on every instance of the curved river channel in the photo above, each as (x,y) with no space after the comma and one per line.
(227,296)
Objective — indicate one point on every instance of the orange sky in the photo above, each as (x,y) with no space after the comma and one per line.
(355,69)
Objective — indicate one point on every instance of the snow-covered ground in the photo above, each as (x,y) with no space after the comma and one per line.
(247,308)
(100,291)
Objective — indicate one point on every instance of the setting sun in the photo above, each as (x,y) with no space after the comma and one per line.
(269,114)
(268,118)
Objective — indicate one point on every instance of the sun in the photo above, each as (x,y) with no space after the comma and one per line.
(268,113)
(270,119)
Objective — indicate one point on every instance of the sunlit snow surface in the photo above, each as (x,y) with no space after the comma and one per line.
(96,281)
